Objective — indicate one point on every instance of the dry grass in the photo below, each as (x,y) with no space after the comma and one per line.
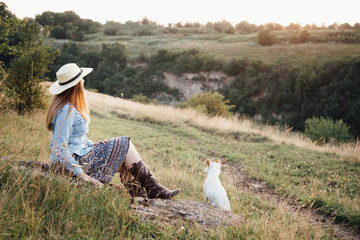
(107,104)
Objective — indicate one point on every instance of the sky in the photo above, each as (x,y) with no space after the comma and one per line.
(171,11)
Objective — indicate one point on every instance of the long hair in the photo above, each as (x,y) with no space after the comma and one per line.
(75,96)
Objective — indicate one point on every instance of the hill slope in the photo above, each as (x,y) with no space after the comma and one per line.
(173,143)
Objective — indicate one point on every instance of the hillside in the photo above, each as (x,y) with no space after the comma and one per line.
(285,83)
(174,143)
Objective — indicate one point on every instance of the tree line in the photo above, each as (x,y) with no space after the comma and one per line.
(68,25)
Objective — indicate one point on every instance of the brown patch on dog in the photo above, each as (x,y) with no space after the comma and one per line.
(208,161)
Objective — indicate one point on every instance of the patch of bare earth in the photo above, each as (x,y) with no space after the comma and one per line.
(180,211)
(236,175)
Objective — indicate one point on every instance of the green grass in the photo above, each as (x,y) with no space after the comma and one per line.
(36,208)
(322,180)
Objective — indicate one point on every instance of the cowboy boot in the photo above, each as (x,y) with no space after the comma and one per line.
(152,187)
(134,187)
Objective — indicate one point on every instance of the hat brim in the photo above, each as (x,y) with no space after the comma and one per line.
(56,88)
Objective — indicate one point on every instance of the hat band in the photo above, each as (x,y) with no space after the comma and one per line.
(74,78)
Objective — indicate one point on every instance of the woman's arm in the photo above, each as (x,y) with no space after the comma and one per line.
(62,131)
(88,143)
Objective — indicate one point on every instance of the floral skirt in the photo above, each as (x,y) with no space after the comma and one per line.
(105,159)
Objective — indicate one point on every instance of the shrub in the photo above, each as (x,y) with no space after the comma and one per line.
(144,31)
(266,37)
(229,30)
(111,31)
(325,130)
(304,36)
(294,39)
(211,103)
(143,99)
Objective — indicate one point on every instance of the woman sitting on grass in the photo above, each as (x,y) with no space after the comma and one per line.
(68,119)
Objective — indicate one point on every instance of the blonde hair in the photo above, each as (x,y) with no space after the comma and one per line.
(75,96)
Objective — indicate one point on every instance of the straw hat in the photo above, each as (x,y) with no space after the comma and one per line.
(68,76)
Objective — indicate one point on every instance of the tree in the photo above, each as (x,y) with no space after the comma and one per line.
(245,28)
(210,25)
(272,26)
(67,25)
(357,26)
(224,25)
(9,25)
(293,26)
(145,21)
(28,63)
(345,26)
(333,26)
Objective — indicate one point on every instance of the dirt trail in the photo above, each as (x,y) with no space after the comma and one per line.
(238,178)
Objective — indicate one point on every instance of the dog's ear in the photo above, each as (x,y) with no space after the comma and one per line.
(208,161)
(218,161)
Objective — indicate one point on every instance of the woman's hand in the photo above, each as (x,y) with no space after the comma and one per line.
(101,142)
(89,179)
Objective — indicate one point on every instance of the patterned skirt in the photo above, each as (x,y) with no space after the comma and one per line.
(105,159)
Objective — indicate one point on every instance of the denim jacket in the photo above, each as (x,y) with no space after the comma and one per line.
(68,138)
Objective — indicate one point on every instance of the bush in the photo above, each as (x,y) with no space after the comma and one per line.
(143,99)
(266,37)
(229,30)
(144,32)
(300,37)
(326,130)
(209,103)
(111,31)
(304,36)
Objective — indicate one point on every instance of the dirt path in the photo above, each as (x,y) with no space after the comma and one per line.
(239,179)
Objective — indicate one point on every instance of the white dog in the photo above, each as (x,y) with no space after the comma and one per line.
(213,190)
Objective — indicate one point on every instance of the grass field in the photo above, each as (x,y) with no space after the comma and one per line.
(173,144)
(224,46)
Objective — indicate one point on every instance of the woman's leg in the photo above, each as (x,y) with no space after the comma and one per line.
(132,157)
(134,187)
(131,184)
(141,173)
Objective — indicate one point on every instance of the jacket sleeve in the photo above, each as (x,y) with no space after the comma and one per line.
(88,143)
(61,134)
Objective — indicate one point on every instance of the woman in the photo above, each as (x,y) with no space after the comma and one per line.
(68,119)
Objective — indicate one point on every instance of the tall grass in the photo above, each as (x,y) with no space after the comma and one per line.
(159,113)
